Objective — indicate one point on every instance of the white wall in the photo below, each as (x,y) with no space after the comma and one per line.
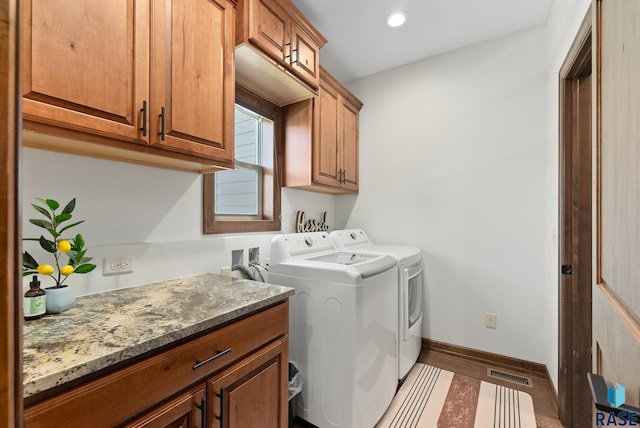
(453,160)
(152,214)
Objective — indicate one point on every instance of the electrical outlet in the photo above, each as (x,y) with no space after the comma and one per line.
(115,265)
(225,270)
(490,320)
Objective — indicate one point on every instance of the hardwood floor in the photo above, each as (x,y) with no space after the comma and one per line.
(544,398)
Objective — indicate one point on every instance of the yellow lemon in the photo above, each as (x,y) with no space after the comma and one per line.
(45,269)
(64,246)
(66,270)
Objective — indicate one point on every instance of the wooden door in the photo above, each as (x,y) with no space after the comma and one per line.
(254,392)
(326,168)
(616,294)
(192,77)
(575,233)
(304,56)
(269,28)
(10,244)
(85,65)
(187,410)
(349,153)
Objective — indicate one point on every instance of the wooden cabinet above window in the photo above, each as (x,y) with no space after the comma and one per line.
(321,140)
(277,54)
(147,81)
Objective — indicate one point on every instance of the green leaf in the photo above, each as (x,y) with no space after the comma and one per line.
(78,241)
(53,232)
(79,255)
(85,268)
(40,200)
(30,239)
(62,217)
(68,209)
(85,260)
(42,211)
(47,245)
(41,223)
(54,205)
(29,272)
(29,261)
(71,261)
(69,226)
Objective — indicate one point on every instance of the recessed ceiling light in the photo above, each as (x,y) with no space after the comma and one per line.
(396,19)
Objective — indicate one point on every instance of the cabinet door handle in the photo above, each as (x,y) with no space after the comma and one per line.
(291,51)
(208,360)
(144,118)
(221,417)
(161,133)
(203,413)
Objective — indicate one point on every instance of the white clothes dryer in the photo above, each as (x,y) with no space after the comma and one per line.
(410,288)
(342,333)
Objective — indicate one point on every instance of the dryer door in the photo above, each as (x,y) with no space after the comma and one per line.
(412,284)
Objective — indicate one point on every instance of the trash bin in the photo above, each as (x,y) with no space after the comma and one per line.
(295,386)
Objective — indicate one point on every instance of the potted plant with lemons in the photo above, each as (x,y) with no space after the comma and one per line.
(59,297)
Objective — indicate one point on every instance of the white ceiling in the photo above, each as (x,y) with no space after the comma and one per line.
(360,43)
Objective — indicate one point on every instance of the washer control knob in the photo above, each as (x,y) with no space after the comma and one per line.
(308,241)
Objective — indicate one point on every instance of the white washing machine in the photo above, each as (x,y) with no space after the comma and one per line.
(343,328)
(410,288)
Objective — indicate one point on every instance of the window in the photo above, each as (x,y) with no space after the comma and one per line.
(247,198)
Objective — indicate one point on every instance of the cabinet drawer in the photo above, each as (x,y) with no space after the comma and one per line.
(118,396)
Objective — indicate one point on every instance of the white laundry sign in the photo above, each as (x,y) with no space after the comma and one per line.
(311,225)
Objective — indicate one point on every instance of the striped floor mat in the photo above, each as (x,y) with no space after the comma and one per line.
(432,397)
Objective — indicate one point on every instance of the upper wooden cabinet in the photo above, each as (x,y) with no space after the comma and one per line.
(321,140)
(192,77)
(131,79)
(288,44)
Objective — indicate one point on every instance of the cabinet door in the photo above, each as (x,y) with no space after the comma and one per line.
(192,77)
(349,153)
(253,393)
(85,65)
(269,28)
(304,56)
(187,410)
(326,137)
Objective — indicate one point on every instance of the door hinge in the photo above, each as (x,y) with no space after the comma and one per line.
(566,269)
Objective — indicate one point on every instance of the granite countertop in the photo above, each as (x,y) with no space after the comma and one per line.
(104,329)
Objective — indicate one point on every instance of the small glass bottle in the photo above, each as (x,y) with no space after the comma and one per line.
(35,303)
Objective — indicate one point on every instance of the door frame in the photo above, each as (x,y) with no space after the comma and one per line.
(575,232)
(10,247)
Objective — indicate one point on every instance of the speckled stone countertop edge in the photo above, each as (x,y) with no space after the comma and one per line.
(231,299)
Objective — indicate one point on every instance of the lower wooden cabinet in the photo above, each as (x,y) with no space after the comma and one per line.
(234,376)
(251,394)
(187,410)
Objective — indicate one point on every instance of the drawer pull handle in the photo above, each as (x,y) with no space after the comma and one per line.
(208,360)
